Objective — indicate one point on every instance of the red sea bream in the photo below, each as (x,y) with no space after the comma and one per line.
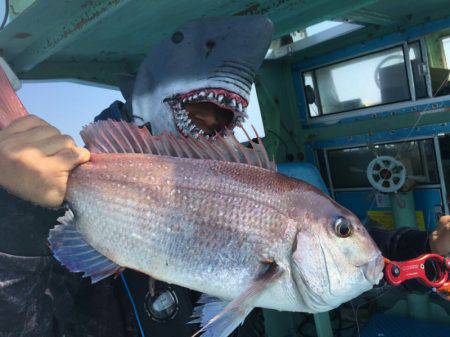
(227,225)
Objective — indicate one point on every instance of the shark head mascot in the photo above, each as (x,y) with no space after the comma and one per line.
(197,81)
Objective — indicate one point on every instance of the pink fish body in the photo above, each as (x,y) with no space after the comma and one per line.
(227,225)
(207,225)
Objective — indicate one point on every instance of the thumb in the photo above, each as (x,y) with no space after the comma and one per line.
(70,158)
(83,155)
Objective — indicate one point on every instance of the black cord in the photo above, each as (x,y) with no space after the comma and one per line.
(5,19)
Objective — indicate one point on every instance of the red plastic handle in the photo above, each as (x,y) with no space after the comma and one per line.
(397,272)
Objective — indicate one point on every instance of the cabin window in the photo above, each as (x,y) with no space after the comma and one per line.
(311,95)
(418,70)
(439,59)
(322,164)
(446,48)
(366,81)
(347,167)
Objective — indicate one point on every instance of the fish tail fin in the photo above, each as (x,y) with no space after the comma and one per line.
(11,108)
(72,251)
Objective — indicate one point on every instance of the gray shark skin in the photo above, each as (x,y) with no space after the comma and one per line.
(212,60)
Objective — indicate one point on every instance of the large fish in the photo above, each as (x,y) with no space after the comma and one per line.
(226,225)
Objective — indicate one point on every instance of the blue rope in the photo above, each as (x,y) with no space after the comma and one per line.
(136,314)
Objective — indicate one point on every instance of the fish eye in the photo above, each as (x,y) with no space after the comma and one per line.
(343,227)
(177,37)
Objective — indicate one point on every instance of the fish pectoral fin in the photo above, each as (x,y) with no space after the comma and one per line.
(220,318)
(69,247)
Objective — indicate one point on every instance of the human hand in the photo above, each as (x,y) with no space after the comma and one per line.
(440,237)
(36,160)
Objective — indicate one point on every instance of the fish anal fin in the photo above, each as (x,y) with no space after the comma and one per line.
(121,137)
(220,318)
(72,251)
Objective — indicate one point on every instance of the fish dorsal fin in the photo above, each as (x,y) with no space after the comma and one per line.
(121,137)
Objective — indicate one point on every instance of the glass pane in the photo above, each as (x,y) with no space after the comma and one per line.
(366,81)
(446,47)
(348,166)
(311,94)
(323,167)
(440,67)
(415,56)
(322,26)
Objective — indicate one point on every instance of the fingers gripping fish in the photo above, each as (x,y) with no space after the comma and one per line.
(190,212)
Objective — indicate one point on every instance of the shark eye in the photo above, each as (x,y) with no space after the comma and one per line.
(343,227)
(177,37)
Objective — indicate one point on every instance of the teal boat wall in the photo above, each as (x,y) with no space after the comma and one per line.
(94,40)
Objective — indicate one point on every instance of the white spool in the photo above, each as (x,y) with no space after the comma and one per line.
(386,174)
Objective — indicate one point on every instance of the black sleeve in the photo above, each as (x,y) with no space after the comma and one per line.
(34,291)
(24,226)
(402,244)
(253,325)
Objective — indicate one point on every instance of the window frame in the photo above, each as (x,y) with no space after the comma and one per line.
(334,189)
(374,108)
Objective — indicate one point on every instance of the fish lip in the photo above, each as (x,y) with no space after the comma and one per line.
(221,97)
(373,269)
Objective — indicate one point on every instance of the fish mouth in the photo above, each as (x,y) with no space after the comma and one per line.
(373,270)
(207,111)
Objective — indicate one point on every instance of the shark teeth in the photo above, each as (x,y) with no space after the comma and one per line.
(185,124)
(223,98)
(239,120)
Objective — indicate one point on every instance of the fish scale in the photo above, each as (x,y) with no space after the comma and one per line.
(234,223)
